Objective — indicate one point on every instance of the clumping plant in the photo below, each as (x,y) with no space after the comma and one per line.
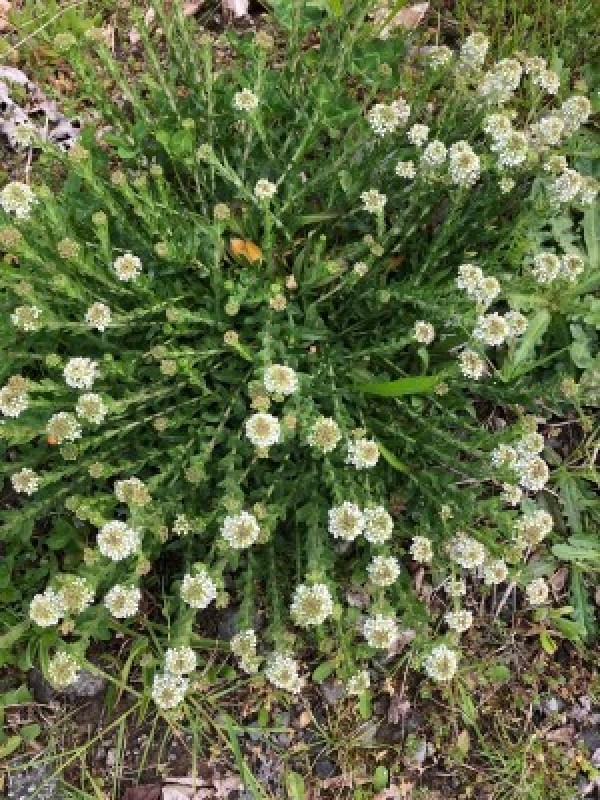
(255,336)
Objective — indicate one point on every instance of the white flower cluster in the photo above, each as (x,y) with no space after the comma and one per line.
(245,100)
(311,604)
(123,601)
(459,621)
(243,646)
(168,691)
(524,461)
(548,267)
(348,521)
(383,571)
(25,481)
(358,683)
(127,267)
(388,117)
(441,664)
(464,165)
(98,316)
(284,673)
(63,670)
(240,531)
(117,540)
(466,551)
(324,434)
(14,398)
(500,82)
(132,491)
(198,590)
(280,380)
(263,430)
(381,631)
(363,453)
(26,318)
(532,528)
(474,50)
(17,198)
(80,373)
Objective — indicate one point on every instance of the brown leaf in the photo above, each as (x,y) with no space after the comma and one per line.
(235,8)
(411,16)
(190,8)
(398,709)
(564,735)
(559,579)
(149,791)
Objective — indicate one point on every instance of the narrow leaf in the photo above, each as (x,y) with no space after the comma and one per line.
(415,384)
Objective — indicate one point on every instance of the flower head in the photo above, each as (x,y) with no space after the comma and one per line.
(459,621)
(127,267)
(168,691)
(373,201)
(263,430)
(383,570)
(80,373)
(116,540)
(378,525)
(279,379)
(283,672)
(198,590)
(25,481)
(424,332)
(324,434)
(26,318)
(47,608)
(346,521)
(240,531)
(421,550)
(386,118)
(537,592)
(441,664)
(98,316)
(381,631)
(180,660)
(363,453)
(123,601)
(63,427)
(90,408)
(311,605)
(17,198)
(245,100)
(264,189)
(62,670)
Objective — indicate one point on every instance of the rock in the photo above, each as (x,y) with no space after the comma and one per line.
(333,691)
(591,737)
(86,687)
(28,779)
(325,768)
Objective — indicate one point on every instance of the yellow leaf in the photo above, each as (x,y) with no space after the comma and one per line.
(244,247)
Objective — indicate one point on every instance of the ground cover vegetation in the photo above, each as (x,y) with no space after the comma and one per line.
(304,327)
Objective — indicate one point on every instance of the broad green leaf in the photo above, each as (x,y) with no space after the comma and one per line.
(415,384)
(591,234)
(548,643)
(323,671)
(9,746)
(295,786)
(335,7)
(381,777)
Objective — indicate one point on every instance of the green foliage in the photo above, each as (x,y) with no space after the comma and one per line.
(208,278)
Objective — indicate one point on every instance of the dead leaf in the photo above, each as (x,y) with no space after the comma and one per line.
(559,579)
(411,16)
(398,709)
(150,791)
(564,735)
(189,9)
(235,8)
(134,37)
(171,792)
(244,247)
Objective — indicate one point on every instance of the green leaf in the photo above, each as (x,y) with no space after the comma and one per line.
(323,671)
(393,460)
(583,550)
(548,643)
(416,384)
(295,786)
(525,350)
(365,703)
(381,778)
(30,732)
(250,782)
(335,7)
(9,746)
(583,612)
(13,635)
(591,234)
